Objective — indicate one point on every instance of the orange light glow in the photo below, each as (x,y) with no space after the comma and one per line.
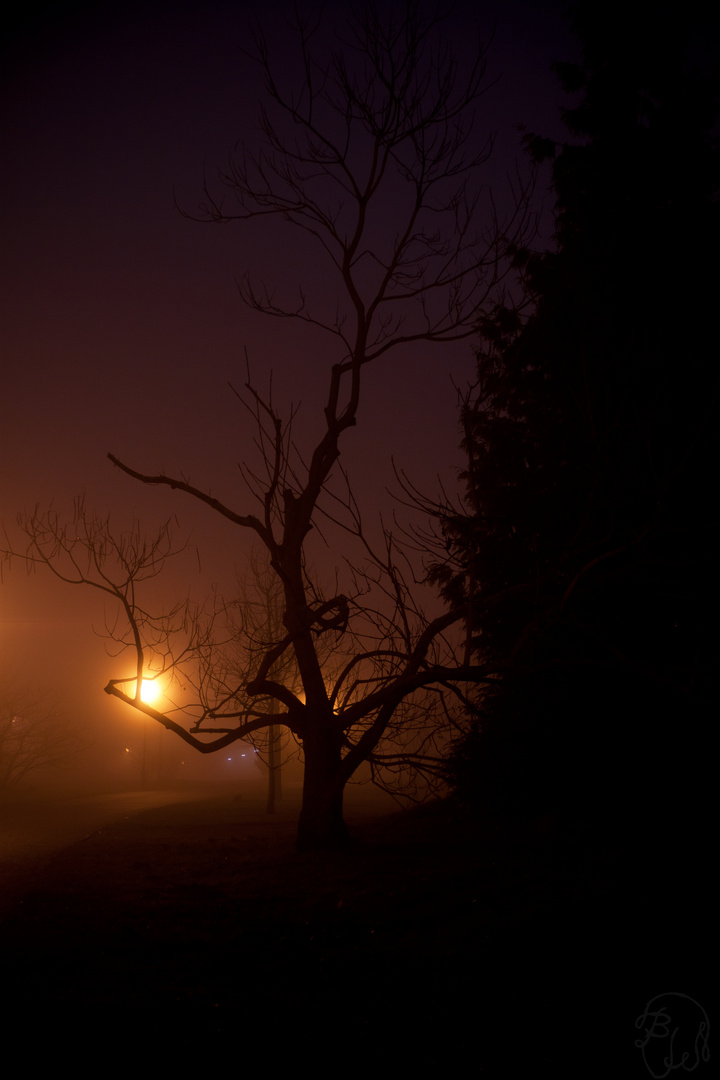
(149,691)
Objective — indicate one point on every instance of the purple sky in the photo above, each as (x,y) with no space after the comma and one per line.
(121,325)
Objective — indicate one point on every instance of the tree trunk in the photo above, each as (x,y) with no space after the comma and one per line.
(321,824)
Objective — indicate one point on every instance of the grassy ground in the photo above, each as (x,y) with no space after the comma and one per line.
(197,931)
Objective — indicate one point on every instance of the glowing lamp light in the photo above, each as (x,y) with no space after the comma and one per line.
(149,691)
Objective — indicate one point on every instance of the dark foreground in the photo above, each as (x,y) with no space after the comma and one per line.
(195,935)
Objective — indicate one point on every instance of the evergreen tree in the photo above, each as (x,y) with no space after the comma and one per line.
(588,546)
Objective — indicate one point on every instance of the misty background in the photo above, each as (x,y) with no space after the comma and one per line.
(121,323)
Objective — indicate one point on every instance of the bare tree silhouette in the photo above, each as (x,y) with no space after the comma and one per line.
(361,673)
(34,735)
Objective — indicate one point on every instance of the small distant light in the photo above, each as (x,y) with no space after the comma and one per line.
(242,755)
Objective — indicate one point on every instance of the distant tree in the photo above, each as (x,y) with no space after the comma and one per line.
(384,119)
(34,736)
(256,626)
(586,545)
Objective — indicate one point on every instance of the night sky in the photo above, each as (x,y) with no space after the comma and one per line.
(121,325)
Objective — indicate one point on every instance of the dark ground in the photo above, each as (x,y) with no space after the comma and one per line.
(195,934)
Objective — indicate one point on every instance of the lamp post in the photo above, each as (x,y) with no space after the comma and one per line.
(149,692)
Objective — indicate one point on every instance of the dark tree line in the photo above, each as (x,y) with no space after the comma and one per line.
(586,549)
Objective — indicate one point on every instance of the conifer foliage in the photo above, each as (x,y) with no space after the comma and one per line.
(587,548)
